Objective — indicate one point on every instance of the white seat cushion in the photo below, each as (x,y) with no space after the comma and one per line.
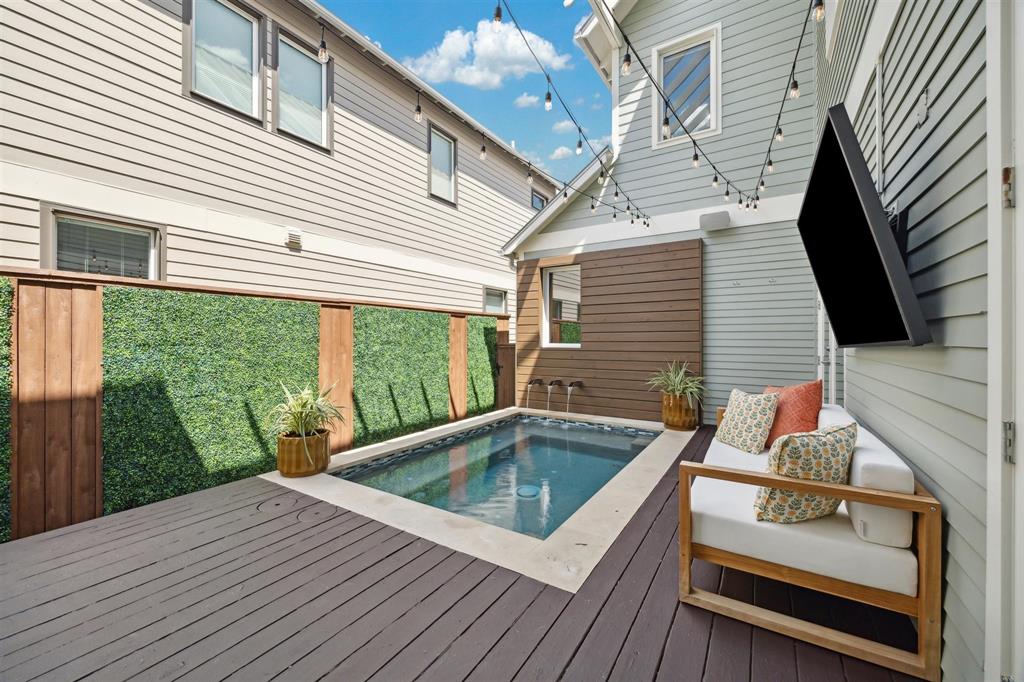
(875,466)
(723,455)
(723,517)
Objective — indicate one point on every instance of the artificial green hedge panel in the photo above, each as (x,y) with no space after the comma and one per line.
(6,310)
(400,372)
(187,383)
(570,332)
(482,364)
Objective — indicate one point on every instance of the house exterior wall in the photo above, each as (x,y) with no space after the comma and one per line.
(95,118)
(929,402)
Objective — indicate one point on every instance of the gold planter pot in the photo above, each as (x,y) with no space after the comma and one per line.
(677,414)
(292,458)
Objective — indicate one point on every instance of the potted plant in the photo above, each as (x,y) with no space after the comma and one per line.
(677,382)
(301,424)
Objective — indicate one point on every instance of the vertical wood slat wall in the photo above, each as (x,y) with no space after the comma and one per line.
(640,309)
(57,383)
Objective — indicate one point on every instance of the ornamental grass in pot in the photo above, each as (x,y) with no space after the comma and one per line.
(681,395)
(302,424)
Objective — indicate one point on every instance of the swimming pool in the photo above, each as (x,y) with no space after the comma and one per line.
(527,473)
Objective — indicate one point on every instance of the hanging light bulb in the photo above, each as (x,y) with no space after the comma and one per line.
(714,181)
(616,192)
(818,10)
(794,89)
(771,166)
(627,64)
(497,13)
(483,147)
(629,209)
(631,220)
(755,206)
(665,131)
(579,143)
(593,207)
(746,208)
(601,177)
(322,55)
(760,185)
(739,203)
(418,112)
(725,197)
(565,195)
(529,174)
(615,214)
(696,159)
(547,101)
(778,134)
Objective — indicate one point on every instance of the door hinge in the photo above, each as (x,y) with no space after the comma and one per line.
(1009,441)
(1009,200)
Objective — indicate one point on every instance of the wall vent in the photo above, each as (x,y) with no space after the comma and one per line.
(294,238)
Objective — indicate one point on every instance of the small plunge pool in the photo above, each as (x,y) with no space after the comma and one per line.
(527,474)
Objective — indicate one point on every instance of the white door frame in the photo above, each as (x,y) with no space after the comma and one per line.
(1003,532)
(1016,566)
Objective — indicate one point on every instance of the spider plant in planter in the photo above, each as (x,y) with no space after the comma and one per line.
(676,383)
(301,424)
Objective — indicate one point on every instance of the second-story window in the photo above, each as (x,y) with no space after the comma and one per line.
(443,158)
(538,200)
(690,77)
(225,55)
(302,94)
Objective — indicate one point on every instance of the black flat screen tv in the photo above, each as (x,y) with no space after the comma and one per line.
(857,264)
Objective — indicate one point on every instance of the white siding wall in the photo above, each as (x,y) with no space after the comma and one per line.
(930,402)
(92,89)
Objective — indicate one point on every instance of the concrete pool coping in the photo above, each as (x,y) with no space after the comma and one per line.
(564,559)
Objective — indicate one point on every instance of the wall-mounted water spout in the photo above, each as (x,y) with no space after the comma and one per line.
(530,384)
(551,385)
(568,394)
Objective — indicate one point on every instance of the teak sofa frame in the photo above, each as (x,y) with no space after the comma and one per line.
(926,606)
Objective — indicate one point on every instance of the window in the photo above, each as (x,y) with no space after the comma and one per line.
(494,301)
(88,245)
(302,94)
(689,72)
(225,55)
(441,149)
(562,321)
(538,200)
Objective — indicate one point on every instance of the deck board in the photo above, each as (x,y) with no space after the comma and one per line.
(250,581)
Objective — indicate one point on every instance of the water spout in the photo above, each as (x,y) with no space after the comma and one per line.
(529,385)
(551,385)
(568,397)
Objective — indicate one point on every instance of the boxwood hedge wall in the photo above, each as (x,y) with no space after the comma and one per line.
(6,310)
(187,382)
(482,365)
(400,372)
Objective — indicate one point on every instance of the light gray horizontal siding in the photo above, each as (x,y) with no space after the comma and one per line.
(92,89)
(19,231)
(930,402)
(759,303)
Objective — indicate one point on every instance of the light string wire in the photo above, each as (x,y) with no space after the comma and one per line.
(697,148)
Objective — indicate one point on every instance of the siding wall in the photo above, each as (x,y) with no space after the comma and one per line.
(929,402)
(92,89)
(759,310)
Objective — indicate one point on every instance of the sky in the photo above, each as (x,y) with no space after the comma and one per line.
(486,69)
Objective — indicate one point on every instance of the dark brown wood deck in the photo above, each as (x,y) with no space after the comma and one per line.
(250,581)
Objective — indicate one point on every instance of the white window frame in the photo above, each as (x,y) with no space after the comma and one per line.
(152,234)
(712,34)
(545,330)
(256,89)
(535,193)
(504,300)
(325,128)
(431,129)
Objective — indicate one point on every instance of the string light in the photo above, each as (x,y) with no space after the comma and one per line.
(760,185)
(714,181)
(779,137)
(547,101)
(627,64)
(529,174)
(616,192)
(725,197)
(771,166)
(615,214)
(818,9)
(696,159)
(579,142)
(601,177)
(794,90)
(665,130)
(497,13)
(322,55)
(565,194)
(483,147)
(593,207)
(418,113)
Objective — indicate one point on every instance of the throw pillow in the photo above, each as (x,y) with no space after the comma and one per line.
(747,421)
(798,409)
(822,455)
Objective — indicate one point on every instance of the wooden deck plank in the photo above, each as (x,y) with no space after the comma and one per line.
(772,656)
(729,648)
(686,649)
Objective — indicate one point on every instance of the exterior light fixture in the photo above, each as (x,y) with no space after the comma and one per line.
(565,196)
(794,89)
(760,185)
(497,13)
(483,147)
(615,214)
(418,112)
(779,137)
(818,10)
(529,174)
(322,55)
(547,101)
(579,143)
(627,64)
(616,192)
(593,207)
(771,166)
(665,132)
(696,159)
(725,197)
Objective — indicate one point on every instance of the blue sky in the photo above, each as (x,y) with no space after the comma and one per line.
(487,70)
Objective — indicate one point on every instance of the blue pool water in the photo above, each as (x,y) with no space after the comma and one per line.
(527,474)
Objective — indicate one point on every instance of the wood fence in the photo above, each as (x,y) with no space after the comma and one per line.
(57,384)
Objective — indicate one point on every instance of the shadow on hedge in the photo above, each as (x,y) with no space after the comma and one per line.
(404,420)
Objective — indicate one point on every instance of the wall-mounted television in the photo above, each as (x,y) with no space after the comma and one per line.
(859,268)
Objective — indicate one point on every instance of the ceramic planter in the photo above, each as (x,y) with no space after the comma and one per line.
(677,414)
(292,460)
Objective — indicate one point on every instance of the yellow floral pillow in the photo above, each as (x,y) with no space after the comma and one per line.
(748,420)
(822,455)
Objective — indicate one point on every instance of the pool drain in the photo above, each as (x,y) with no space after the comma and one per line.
(528,491)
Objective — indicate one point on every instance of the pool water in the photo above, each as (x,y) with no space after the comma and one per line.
(526,474)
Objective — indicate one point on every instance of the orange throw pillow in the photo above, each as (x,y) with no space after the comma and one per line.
(797,411)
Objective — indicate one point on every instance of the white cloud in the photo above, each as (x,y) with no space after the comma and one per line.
(579,101)
(562,152)
(526,100)
(485,57)
(596,106)
(564,126)
(602,141)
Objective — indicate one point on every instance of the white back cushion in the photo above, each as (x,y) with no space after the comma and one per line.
(875,466)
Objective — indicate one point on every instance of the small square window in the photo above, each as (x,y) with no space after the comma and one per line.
(538,200)
(494,301)
(562,319)
(689,72)
(442,153)
(225,55)
(302,95)
(86,245)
